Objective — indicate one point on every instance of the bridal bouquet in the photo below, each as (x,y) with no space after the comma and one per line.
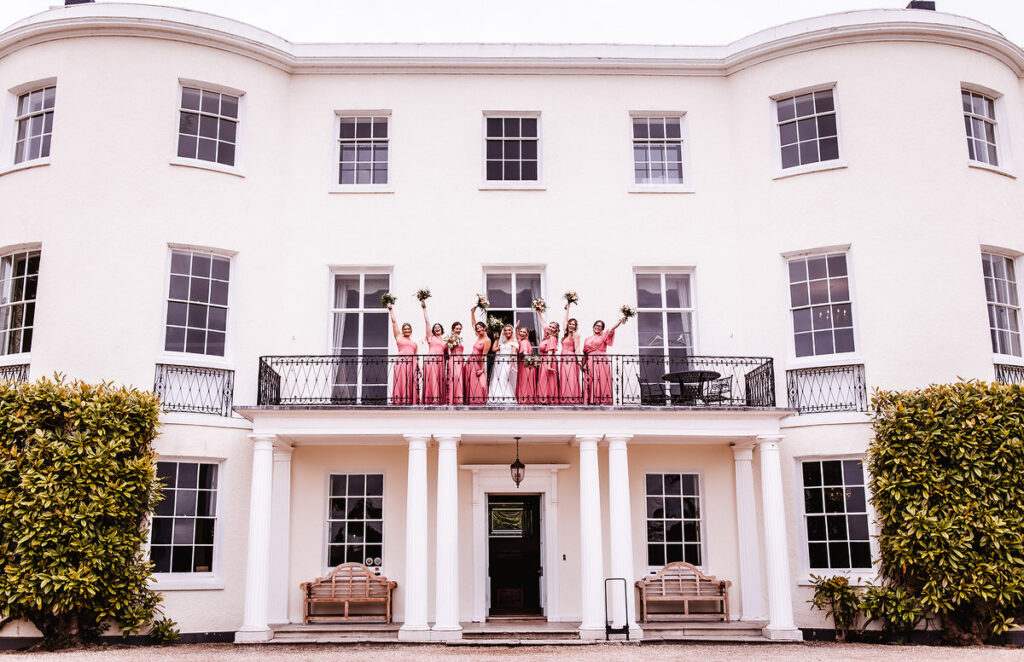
(539,305)
(423,295)
(571,297)
(481,302)
(452,340)
(495,324)
(531,361)
(627,312)
(388,299)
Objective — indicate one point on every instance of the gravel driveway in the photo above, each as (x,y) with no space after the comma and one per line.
(599,653)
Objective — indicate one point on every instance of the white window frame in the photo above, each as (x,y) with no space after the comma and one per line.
(334,185)
(8,137)
(326,537)
(192,581)
(362,272)
(23,357)
(687,185)
(677,271)
(238,169)
(1001,126)
(1013,256)
(793,362)
(853,574)
(512,270)
(819,166)
(702,494)
(528,185)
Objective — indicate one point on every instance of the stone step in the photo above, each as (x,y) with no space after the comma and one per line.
(331,639)
(674,637)
(519,642)
(520,634)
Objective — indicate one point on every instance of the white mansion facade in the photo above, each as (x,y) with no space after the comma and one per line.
(199,206)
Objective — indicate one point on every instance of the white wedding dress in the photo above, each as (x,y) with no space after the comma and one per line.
(502,389)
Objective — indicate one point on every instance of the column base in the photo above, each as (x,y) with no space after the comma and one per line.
(254,636)
(590,632)
(414,633)
(446,633)
(782,634)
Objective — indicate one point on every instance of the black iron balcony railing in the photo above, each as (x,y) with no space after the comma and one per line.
(195,390)
(458,380)
(1009,374)
(14,373)
(827,389)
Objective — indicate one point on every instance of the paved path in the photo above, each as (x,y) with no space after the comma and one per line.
(600,653)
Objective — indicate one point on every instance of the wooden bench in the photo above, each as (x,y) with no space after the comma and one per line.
(348,584)
(682,583)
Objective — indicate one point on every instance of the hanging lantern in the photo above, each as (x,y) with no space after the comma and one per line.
(518,468)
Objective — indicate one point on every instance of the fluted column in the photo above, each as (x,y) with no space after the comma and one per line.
(780,598)
(620,529)
(415,582)
(446,588)
(257,569)
(746,523)
(591,557)
(280,537)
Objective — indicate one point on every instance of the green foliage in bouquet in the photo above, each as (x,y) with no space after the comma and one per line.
(423,295)
(388,299)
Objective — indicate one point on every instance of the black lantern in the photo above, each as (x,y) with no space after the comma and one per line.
(518,468)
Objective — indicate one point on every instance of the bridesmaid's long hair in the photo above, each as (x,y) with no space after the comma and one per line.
(568,332)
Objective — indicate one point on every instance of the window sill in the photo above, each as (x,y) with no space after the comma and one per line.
(25,165)
(660,188)
(824,361)
(24,358)
(855,576)
(512,186)
(991,168)
(185,582)
(195,360)
(207,165)
(362,188)
(1007,359)
(204,420)
(821,166)
(825,418)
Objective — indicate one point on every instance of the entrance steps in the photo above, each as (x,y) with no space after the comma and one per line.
(734,631)
(513,632)
(336,633)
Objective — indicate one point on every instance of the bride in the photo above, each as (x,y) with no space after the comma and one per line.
(502,390)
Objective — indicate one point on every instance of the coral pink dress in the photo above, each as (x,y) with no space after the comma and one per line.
(433,372)
(547,375)
(455,379)
(526,382)
(569,374)
(476,384)
(597,378)
(404,389)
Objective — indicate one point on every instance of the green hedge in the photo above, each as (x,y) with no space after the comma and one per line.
(77,485)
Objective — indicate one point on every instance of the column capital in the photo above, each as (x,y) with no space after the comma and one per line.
(617,440)
(768,442)
(587,439)
(447,439)
(263,441)
(743,452)
(283,453)
(417,439)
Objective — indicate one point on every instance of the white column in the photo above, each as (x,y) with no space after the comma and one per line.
(591,557)
(446,588)
(780,599)
(280,537)
(746,523)
(257,569)
(620,530)
(415,581)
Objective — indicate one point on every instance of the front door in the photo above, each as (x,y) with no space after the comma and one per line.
(514,554)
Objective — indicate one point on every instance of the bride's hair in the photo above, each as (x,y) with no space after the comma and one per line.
(506,328)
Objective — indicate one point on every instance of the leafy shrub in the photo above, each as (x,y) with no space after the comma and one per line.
(947,476)
(839,600)
(164,631)
(895,608)
(77,486)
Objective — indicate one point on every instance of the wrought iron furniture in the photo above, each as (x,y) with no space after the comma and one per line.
(348,584)
(692,383)
(677,585)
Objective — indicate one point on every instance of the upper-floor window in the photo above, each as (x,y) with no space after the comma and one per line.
(208,126)
(362,150)
(657,150)
(185,520)
(673,518)
(34,121)
(664,322)
(821,305)
(361,329)
(197,303)
(836,514)
(510,294)
(355,520)
(807,128)
(980,123)
(19,279)
(1003,303)
(512,149)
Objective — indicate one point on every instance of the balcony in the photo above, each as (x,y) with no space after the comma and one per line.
(605,381)
(14,373)
(194,390)
(827,389)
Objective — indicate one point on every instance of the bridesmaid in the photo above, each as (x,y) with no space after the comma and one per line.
(526,382)
(597,377)
(569,367)
(475,369)
(455,369)
(433,363)
(547,376)
(403,385)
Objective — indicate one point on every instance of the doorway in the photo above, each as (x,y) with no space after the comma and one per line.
(514,554)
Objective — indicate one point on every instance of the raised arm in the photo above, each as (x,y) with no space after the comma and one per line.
(394,323)
(565,322)
(616,325)
(543,322)
(472,318)
(426,320)
(496,342)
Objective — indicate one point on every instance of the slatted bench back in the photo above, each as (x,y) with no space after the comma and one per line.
(680,579)
(347,581)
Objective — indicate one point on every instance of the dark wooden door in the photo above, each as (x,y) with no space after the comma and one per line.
(514,553)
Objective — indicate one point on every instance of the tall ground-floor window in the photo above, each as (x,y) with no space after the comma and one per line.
(673,518)
(185,521)
(836,515)
(355,520)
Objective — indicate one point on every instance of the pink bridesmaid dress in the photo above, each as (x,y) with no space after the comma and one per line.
(547,377)
(476,384)
(569,374)
(526,381)
(597,380)
(404,389)
(433,372)
(455,378)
